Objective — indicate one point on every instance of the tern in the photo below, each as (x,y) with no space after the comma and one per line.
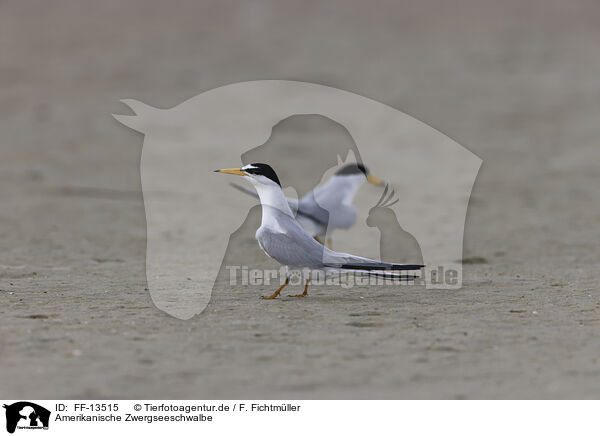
(329,207)
(282,238)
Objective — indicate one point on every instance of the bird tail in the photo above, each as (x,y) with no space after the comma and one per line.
(377,266)
(386,270)
(395,277)
(384,275)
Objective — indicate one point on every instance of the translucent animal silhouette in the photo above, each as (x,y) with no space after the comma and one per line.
(188,215)
(395,243)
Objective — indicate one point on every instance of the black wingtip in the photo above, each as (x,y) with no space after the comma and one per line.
(370,267)
(407,278)
(384,276)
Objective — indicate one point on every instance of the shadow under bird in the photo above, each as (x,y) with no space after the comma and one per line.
(282,238)
(329,206)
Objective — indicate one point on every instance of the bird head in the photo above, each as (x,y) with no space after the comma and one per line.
(354,169)
(258,173)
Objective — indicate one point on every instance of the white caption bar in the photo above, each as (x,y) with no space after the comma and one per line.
(268,417)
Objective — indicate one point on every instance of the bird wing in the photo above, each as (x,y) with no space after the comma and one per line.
(290,244)
(345,261)
(309,208)
(362,265)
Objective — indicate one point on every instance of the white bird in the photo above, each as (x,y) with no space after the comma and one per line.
(283,239)
(329,207)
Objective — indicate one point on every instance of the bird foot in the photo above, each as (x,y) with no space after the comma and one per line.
(277,292)
(270,297)
(304,294)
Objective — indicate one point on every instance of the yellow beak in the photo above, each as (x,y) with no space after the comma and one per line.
(234,171)
(374,180)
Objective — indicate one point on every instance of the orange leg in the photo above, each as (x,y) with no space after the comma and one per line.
(305,293)
(318,240)
(278,291)
(330,243)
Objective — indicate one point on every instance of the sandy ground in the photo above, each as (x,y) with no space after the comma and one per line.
(518,83)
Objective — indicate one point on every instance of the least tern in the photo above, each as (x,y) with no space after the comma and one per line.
(329,206)
(282,238)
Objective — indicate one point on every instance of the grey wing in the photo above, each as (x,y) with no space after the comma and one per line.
(327,211)
(333,259)
(293,203)
(308,207)
(295,247)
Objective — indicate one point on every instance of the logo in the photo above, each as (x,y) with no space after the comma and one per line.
(26,415)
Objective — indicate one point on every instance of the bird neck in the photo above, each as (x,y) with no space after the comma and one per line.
(272,199)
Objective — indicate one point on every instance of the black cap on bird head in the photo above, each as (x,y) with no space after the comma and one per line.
(262,169)
(256,169)
(352,168)
(358,168)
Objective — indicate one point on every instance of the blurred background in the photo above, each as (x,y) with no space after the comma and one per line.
(516,82)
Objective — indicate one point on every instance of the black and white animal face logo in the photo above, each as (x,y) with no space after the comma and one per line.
(26,415)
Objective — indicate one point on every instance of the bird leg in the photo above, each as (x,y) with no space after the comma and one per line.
(318,240)
(305,293)
(278,291)
(330,243)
